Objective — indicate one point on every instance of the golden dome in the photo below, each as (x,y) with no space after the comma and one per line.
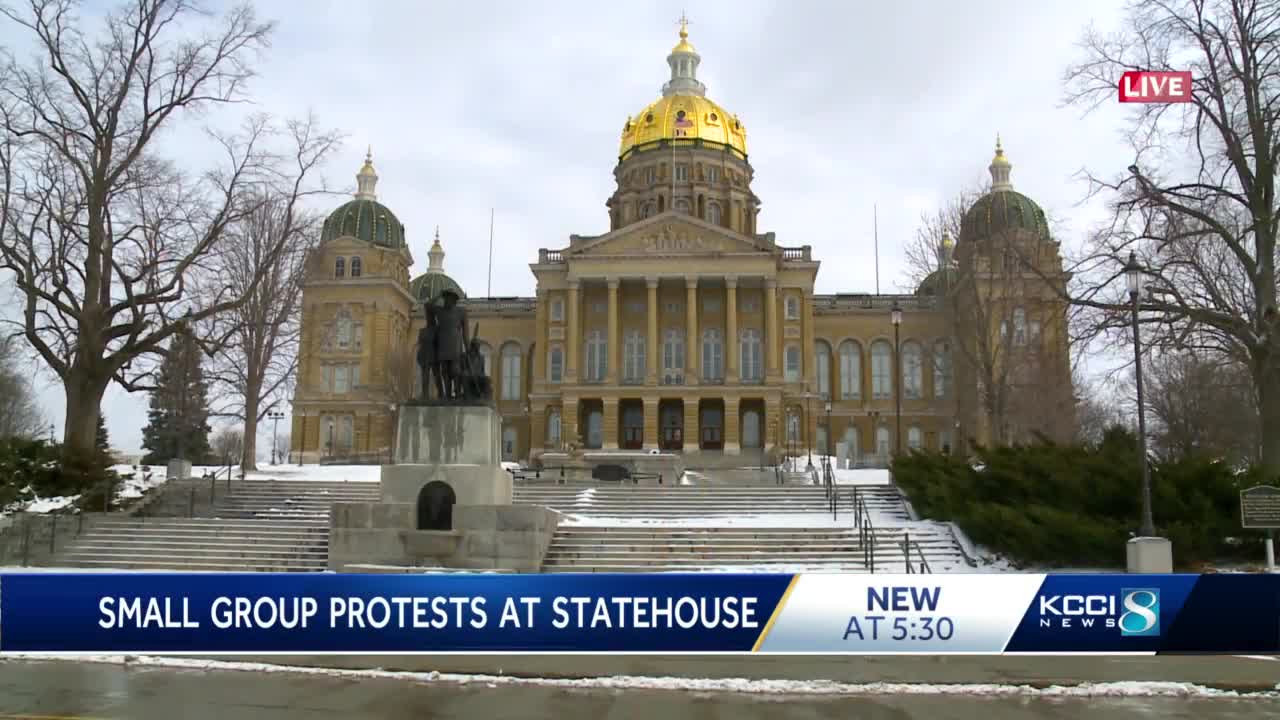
(683,118)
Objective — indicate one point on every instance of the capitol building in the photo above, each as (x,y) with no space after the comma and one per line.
(687,327)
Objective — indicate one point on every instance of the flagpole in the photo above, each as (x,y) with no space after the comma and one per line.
(488,288)
(875,230)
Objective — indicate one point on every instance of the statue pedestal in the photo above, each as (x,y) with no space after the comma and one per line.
(459,445)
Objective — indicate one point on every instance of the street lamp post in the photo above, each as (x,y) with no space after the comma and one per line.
(808,418)
(895,316)
(276,416)
(830,453)
(1133,273)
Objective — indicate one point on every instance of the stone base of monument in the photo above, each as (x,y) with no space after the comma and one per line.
(445,503)
(178,470)
(1149,555)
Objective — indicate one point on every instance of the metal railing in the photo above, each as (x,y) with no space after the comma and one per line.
(866,530)
(907,546)
(829,482)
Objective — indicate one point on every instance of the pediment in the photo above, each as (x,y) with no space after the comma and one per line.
(670,234)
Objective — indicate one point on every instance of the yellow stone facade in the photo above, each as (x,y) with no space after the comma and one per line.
(685,329)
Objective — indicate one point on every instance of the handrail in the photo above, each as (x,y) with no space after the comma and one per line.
(907,545)
(866,530)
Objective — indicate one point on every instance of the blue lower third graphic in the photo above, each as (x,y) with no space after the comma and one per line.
(1141,615)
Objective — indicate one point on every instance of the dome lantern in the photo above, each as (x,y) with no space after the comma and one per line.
(431,283)
(1000,168)
(435,255)
(367,179)
(684,62)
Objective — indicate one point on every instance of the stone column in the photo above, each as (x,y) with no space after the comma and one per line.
(573,344)
(731,329)
(612,354)
(691,430)
(808,367)
(691,334)
(732,444)
(651,430)
(772,337)
(652,347)
(537,428)
(569,431)
(610,424)
(540,344)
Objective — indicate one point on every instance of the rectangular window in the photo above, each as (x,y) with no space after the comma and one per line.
(824,374)
(674,307)
(710,304)
(650,175)
(510,376)
(713,174)
(557,311)
(326,377)
(340,379)
(355,376)
(793,308)
(555,365)
(682,173)
(793,364)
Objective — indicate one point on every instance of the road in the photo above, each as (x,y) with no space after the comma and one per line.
(66,690)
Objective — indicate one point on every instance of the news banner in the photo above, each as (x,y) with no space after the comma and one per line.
(659,613)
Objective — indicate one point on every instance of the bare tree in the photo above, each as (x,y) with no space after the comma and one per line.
(1201,405)
(256,357)
(1097,409)
(1005,320)
(228,445)
(1197,205)
(109,243)
(19,414)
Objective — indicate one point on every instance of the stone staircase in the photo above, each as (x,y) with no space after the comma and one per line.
(252,526)
(666,502)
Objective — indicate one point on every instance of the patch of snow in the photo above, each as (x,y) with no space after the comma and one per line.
(44,505)
(769,520)
(510,466)
(322,473)
(1122,689)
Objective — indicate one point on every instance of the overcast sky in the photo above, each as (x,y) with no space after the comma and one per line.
(518,107)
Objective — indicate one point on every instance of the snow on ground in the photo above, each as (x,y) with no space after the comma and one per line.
(133,483)
(324,473)
(1124,689)
(764,520)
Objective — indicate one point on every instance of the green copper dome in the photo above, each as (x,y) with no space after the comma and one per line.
(1003,210)
(367,220)
(364,218)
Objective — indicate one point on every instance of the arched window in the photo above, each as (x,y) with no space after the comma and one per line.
(511,371)
(633,363)
(749,356)
(713,213)
(912,370)
(673,357)
(1019,326)
(793,363)
(915,438)
(941,368)
(555,364)
(881,370)
(355,267)
(850,369)
(712,355)
(882,442)
(340,267)
(822,358)
(597,357)
(553,428)
(682,205)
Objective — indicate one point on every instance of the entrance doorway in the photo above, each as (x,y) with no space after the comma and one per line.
(435,506)
(592,424)
(632,424)
(851,445)
(752,424)
(671,419)
(711,424)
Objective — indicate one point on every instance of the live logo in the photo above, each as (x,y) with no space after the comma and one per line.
(1149,86)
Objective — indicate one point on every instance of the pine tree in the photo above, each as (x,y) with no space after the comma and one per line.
(103,441)
(178,417)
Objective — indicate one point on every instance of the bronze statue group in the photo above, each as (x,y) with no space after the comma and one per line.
(448,358)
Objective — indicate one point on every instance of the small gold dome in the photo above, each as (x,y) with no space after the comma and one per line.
(683,118)
(999,159)
(683,46)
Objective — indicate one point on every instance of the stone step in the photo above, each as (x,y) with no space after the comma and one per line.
(228,565)
(753,568)
(747,558)
(188,551)
(585,549)
(202,525)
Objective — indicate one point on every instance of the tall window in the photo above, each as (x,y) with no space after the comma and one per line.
(793,308)
(823,359)
(912,370)
(682,173)
(651,175)
(793,428)
(344,329)
(557,311)
(511,371)
(713,213)
(712,355)
(597,358)
(346,433)
(673,357)
(941,368)
(881,370)
(713,174)
(555,364)
(749,356)
(355,267)
(793,363)
(633,357)
(850,369)
(341,379)
(553,428)
(882,441)
(340,267)
(915,438)
(1019,326)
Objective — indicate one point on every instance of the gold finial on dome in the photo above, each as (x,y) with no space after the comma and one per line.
(683,46)
(367,178)
(999,159)
(947,241)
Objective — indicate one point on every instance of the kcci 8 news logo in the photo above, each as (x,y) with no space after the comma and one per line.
(1135,611)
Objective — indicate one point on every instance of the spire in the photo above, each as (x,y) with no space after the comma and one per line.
(435,256)
(999,168)
(945,249)
(367,179)
(684,66)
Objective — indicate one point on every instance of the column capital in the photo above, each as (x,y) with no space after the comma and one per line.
(691,281)
(574,283)
(651,281)
(771,283)
(731,282)
(614,283)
